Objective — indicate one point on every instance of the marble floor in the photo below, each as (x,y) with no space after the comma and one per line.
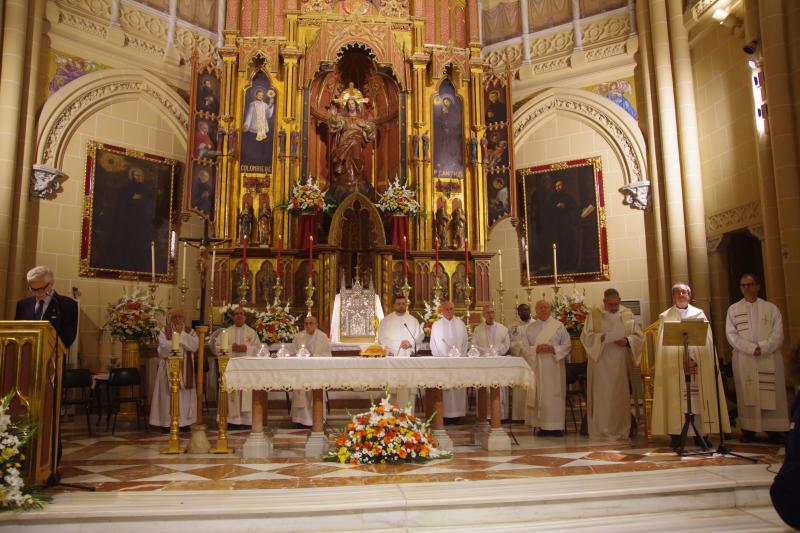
(131,461)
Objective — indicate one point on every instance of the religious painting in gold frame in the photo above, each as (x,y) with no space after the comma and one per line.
(130,210)
(564,204)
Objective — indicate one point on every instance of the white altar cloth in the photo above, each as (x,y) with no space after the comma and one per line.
(292,373)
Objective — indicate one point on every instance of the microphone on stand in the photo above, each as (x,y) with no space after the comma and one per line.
(414,352)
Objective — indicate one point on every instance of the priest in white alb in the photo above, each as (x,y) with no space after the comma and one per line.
(318,345)
(546,347)
(491,338)
(449,339)
(400,332)
(517,331)
(244,342)
(612,339)
(669,398)
(187,393)
(755,331)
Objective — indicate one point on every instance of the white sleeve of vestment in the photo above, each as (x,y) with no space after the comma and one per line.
(738,342)
(322,345)
(189,341)
(164,345)
(562,343)
(635,341)
(419,334)
(438,346)
(505,342)
(463,337)
(775,339)
(591,340)
(335,319)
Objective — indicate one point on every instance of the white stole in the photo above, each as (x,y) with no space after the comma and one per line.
(759,372)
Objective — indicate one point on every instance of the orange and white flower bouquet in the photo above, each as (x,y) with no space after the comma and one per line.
(133,318)
(571,311)
(399,200)
(386,434)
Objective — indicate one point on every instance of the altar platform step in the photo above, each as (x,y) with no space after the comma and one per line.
(617,502)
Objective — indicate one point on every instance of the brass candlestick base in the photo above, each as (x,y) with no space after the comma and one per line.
(529,290)
(244,289)
(556,288)
(309,295)
(184,289)
(468,303)
(278,291)
(500,292)
(406,289)
(222,407)
(174,444)
(153,287)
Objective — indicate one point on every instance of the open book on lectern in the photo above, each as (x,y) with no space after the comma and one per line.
(695,330)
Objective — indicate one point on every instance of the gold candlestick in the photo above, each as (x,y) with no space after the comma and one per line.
(500,292)
(468,302)
(437,288)
(184,289)
(153,287)
(244,289)
(222,407)
(174,444)
(278,291)
(405,289)
(529,290)
(211,300)
(309,295)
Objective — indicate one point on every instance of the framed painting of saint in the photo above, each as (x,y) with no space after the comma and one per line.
(448,133)
(207,100)
(565,223)
(131,211)
(258,126)
(203,184)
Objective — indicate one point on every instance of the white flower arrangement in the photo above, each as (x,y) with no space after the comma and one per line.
(13,437)
(276,324)
(399,200)
(133,317)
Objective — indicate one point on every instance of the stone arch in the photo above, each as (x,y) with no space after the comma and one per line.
(611,122)
(356,201)
(63,113)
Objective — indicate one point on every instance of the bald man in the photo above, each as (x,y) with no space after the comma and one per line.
(449,333)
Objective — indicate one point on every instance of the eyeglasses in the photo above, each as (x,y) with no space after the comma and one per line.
(36,290)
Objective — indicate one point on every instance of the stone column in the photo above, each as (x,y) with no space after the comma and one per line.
(717,260)
(689,156)
(220,22)
(526,38)
(784,143)
(670,152)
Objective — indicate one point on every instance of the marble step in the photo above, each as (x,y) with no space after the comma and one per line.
(467,505)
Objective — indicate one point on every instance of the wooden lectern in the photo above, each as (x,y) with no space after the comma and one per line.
(31,357)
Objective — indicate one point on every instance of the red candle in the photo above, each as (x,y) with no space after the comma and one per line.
(244,254)
(405,258)
(310,255)
(280,248)
(436,268)
(466,256)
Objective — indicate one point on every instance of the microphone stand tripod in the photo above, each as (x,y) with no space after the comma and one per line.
(722,449)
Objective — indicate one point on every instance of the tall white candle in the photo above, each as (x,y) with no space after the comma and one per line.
(500,263)
(176,341)
(183,271)
(555,265)
(153,261)
(223,341)
(213,262)
(527,262)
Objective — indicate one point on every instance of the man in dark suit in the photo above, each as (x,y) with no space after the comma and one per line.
(47,304)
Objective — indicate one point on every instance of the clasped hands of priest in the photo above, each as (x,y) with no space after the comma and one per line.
(619,342)
(545,349)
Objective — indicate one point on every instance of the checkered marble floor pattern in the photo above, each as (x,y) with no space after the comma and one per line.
(131,460)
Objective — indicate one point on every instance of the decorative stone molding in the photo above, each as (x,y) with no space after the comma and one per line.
(757,231)
(701,7)
(604,52)
(553,44)
(713,244)
(45,182)
(637,194)
(605,117)
(558,63)
(510,55)
(736,218)
(607,29)
(65,111)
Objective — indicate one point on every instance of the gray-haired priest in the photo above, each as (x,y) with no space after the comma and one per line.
(492,338)
(546,347)
(318,345)
(448,335)
(755,330)
(612,339)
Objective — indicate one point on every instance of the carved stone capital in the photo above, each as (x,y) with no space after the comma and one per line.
(714,243)
(46,182)
(757,231)
(637,194)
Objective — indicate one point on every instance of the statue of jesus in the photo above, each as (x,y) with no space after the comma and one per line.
(352,132)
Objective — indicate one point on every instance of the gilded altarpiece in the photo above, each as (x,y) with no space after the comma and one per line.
(351,96)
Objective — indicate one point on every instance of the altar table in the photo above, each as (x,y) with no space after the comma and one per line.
(261,374)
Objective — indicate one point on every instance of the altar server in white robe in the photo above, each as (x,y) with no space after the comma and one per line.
(492,335)
(446,333)
(400,332)
(318,345)
(517,331)
(669,399)
(187,393)
(244,342)
(546,347)
(613,340)
(755,331)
